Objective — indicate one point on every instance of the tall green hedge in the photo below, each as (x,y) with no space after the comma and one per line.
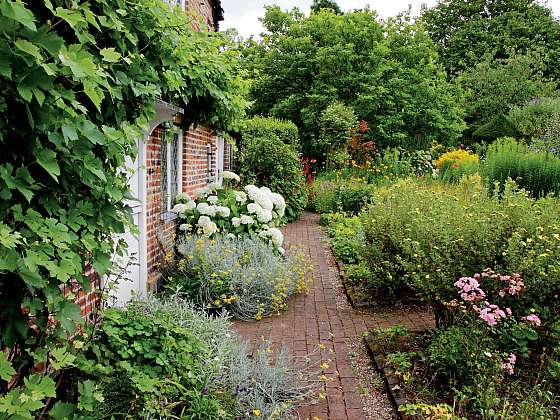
(269,157)
(79,81)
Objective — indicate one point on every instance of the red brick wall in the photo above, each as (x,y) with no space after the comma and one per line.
(201,10)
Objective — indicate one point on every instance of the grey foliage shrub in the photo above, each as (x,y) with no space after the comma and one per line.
(274,388)
(244,275)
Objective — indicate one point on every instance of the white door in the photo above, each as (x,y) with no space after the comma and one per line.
(127,280)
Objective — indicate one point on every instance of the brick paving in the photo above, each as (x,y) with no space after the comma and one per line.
(321,317)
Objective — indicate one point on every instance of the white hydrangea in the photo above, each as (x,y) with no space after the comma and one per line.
(223,211)
(204,208)
(214,186)
(279,202)
(240,197)
(182,198)
(275,236)
(212,199)
(207,225)
(264,216)
(185,227)
(202,192)
(247,220)
(253,208)
(191,205)
(252,191)
(230,175)
(179,208)
(230,236)
(236,221)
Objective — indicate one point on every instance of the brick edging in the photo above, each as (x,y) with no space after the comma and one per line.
(392,382)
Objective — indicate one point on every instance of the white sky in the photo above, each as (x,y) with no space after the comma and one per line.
(243,14)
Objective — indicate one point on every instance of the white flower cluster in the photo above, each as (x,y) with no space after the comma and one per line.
(218,209)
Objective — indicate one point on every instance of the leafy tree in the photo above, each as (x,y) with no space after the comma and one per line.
(337,123)
(325,4)
(494,86)
(387,72)
(466,30)
(79,82)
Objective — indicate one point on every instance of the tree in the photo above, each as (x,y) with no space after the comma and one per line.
(467,30)
(393,82)
(494,86)
(325,4)
(337,122)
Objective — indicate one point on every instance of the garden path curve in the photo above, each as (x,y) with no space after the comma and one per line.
(325,317)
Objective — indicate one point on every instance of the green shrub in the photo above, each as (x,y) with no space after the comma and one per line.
(265,159)
(455,353)
(258,128)
(455,164)
(345,195)
(499,126)
(245,276)
(423,237)
(346,237)
(537,172)
(532,120)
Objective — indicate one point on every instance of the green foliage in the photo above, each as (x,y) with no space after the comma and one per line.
(337,123)
(245,276)
(394,83)
(531,119)
(455,164)
(499,126)
(537,172)
(425,236)
(318,5)
(79,83)
(458,351)
(494,86)
(257,128)
(346,236)
(344,195)
(265,159)
(466,30)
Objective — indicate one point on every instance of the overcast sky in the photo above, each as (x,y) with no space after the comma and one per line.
(244,14)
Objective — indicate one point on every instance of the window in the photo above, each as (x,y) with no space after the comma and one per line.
(179,3)
(171,164)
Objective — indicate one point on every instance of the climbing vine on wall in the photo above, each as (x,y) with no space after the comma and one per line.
(79,81)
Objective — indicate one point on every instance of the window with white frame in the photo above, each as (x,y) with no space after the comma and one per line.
(171,173)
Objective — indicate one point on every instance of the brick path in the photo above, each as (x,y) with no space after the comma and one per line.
(320,317)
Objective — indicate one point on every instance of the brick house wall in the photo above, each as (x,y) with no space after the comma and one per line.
(160,231)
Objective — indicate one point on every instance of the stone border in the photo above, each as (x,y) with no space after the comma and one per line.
(344,280)
(392,382)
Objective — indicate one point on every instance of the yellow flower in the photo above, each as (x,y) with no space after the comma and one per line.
(257,412)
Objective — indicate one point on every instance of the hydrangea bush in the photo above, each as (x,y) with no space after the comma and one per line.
(224,210)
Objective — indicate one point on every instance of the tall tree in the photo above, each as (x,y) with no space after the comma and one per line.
(387,72)
(467,30)
(325,4)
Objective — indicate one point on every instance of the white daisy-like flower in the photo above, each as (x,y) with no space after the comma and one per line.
(253,208)
(236,221)
(223,211)
(240,197)
(185,227)
(230,175)
(212,199)
(247,220)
